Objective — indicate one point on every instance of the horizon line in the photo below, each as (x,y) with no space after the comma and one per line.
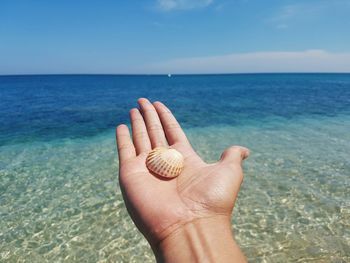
(167,74)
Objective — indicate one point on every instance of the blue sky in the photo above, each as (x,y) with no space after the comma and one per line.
(175,36)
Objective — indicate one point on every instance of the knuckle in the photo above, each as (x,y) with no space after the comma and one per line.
(155,127)
(173,126)
(123,146)
(137,119)
(139,135)
(123,137)
(164,113)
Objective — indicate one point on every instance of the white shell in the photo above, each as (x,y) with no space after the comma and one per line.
(165,162)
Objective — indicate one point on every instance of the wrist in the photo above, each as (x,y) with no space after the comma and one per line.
(200,240)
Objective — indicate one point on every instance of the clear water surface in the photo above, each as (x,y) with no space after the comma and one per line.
(59,194)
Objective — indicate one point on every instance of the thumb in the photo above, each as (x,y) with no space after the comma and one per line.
(234,155)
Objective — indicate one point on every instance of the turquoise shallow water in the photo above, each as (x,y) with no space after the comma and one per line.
(61,202)
(59,194)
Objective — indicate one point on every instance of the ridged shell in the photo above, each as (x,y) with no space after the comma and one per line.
(165,162)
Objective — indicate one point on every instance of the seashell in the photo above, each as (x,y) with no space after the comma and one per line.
(165,162)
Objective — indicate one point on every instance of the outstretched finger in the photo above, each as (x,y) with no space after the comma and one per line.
(126,149)
(172,128)
(153,124)
(139,132)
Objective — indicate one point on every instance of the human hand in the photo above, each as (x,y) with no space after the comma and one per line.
(203,193)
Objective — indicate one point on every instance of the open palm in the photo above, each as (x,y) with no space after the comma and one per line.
(160,206)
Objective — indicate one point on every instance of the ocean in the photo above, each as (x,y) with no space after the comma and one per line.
(59,194)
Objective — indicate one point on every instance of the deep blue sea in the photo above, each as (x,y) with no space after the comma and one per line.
(59,194)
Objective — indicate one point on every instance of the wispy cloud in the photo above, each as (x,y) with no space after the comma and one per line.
(306,11)
(287,12)
(168,5)
(298,61)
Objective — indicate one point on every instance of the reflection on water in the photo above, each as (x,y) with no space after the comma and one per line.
(60,200)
